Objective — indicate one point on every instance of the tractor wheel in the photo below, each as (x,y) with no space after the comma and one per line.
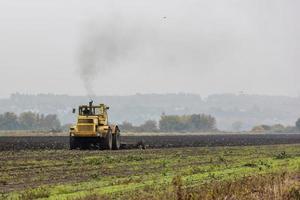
(73,143)
(108,141)
(116,140)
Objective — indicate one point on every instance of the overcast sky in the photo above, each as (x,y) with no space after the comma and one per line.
(139,46)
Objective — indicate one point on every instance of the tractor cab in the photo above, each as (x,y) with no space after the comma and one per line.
(91,110)
(95,114)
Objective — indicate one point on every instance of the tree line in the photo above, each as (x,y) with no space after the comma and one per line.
(175,123)
(279,128)
(167,123)
(29,121)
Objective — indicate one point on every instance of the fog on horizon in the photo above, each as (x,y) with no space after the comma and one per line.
(116,47)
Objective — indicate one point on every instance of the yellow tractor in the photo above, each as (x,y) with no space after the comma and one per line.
(93,129)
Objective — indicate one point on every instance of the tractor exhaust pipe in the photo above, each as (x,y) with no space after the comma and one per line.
(90,105)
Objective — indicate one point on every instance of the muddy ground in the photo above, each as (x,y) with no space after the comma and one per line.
(161,141)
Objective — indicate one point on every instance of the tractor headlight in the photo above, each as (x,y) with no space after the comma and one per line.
(72,135)
(98,134)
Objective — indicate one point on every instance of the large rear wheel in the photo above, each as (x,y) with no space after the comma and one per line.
(108,141)
(73,143)
(116,140)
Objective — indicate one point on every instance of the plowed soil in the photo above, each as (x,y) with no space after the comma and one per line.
(157,141)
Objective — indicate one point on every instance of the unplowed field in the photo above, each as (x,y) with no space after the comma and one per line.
(149,174)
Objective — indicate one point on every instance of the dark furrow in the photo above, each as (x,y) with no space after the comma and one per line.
(167,141)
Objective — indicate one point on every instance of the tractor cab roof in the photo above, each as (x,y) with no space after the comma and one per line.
(92,110)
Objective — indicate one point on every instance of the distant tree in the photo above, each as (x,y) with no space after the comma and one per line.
(41,121)
(266,127)
(207,123)
(28,121)
(127,126)
(193,123)
(148,126)
(274,128)
(52,123)
(169,123)
(9,121)
(298,124)
(278,128)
